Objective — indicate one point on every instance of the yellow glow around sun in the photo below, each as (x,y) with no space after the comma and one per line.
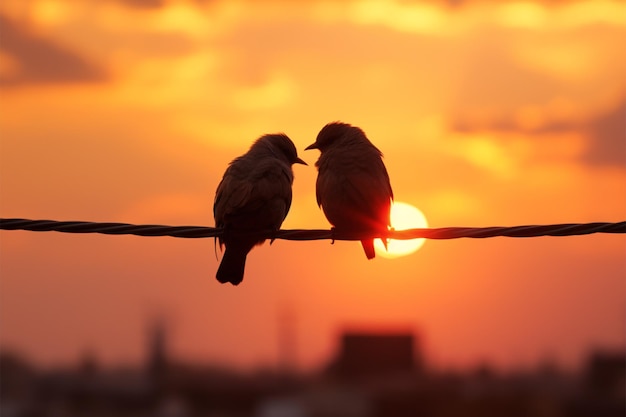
(403,216)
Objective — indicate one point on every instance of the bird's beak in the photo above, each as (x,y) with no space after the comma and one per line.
(300,161)
(311,146)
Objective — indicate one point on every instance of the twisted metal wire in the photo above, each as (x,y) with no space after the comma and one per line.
(567,229)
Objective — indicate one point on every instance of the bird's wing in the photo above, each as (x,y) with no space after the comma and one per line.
(244,193)
(361,189)
(371,191)
(273,187)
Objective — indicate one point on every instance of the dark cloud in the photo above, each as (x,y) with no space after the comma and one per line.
(39,60)
(506,123)
(144,4)
(607,144)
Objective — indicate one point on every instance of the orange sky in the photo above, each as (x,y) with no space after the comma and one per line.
(488,113)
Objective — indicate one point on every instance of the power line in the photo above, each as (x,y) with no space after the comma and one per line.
(567,229)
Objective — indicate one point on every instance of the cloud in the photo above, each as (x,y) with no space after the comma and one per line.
(144,4)
(603,134)
(277,92)
(31,59)
(607,145)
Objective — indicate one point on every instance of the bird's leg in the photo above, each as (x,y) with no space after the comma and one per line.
(215,247)
(220,239)
(332,235)
(386,239)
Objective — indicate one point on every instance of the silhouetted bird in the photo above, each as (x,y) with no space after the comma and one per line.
(353,186)
(253,196)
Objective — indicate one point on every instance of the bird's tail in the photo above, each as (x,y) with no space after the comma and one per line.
(232,267)
(368,247)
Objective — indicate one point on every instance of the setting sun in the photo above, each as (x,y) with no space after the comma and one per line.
(403,216)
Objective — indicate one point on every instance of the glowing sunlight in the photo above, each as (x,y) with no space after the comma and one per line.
(403,216)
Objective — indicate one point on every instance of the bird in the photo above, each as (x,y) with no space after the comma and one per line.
(254,196)
(353,187)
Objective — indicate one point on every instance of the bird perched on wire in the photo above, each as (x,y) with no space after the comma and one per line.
(353,186)
(254,196)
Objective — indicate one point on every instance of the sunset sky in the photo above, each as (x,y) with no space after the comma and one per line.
(488,114)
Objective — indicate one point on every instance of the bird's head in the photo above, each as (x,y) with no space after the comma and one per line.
(280,145)
(334,133)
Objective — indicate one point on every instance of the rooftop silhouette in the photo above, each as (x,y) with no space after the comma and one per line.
(371,374)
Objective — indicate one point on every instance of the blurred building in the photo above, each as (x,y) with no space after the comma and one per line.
(372,374)
(603,386)
(376,354)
